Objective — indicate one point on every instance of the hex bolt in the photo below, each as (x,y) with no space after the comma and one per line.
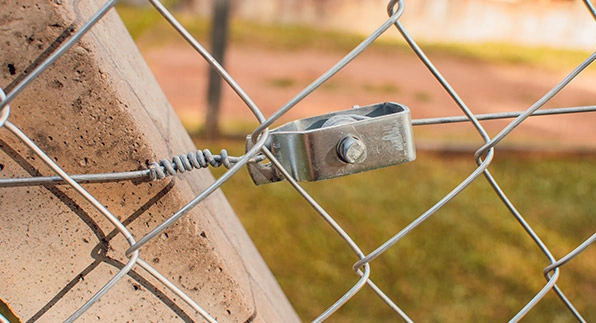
(351,150)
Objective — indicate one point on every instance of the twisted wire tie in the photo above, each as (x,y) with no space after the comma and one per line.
(194,160)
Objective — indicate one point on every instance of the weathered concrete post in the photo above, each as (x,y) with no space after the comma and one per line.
(98,109)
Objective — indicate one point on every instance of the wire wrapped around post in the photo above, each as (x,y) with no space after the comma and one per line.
(187,162)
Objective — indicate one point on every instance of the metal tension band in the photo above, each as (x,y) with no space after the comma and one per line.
(338,144)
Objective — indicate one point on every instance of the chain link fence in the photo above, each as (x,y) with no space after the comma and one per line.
(265,146)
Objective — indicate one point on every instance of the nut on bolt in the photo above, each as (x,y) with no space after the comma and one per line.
(351,150)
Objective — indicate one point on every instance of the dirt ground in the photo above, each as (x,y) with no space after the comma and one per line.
(272,77)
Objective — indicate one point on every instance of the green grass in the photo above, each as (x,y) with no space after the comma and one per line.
(282,82)
(138,20)
(471,261)
(511,54)
(149,29)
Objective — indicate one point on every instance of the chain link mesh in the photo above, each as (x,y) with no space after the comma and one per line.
(483,156)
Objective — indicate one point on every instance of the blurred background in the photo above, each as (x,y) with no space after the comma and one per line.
(471,261)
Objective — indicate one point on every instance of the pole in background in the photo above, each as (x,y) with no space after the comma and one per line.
(219,33)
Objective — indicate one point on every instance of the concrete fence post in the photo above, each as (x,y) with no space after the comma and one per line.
(98,109)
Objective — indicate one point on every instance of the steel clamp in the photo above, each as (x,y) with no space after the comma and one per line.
(338,144)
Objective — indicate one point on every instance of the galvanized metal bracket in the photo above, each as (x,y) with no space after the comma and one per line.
(338,144)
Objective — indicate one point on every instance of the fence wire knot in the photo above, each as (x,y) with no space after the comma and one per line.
(187,162)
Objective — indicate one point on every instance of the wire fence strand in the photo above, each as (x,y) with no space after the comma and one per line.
(261,150)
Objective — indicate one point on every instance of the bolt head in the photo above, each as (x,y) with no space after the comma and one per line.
(351,150)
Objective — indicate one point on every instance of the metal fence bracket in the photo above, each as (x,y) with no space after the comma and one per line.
(339,143)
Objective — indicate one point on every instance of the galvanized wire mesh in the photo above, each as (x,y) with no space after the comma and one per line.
(483,156)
